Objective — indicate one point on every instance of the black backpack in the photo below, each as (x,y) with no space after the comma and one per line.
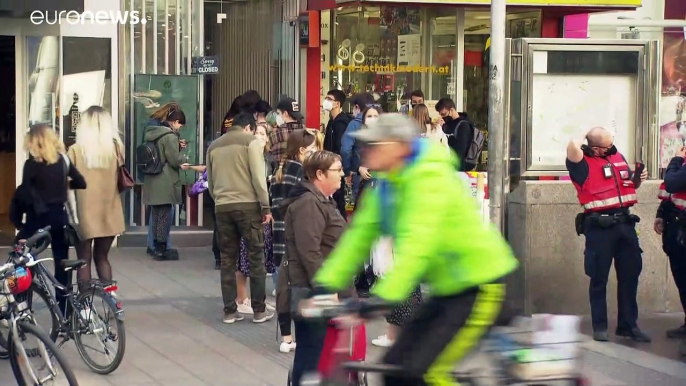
(475,146)
(148,160)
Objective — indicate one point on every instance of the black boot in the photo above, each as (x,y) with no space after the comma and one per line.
(164,254)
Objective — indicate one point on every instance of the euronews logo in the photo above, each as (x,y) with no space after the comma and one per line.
(87,17)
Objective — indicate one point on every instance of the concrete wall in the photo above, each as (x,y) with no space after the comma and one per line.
(552,279)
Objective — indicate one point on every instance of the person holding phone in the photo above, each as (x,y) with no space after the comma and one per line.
(668,224)
(606,189)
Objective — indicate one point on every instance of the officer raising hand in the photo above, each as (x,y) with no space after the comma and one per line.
(670,222)
(606,189)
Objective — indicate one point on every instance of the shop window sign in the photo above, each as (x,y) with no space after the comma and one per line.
(205,65)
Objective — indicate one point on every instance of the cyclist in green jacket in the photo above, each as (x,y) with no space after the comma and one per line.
(439,239)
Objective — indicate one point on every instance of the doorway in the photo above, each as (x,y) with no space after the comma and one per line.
(8,132)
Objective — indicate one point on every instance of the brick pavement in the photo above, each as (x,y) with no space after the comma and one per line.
(175,336)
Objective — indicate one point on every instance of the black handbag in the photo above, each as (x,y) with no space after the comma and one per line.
(71,235)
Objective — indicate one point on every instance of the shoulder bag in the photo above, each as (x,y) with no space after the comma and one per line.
(124,179)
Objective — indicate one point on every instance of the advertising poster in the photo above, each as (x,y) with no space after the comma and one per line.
(672,121)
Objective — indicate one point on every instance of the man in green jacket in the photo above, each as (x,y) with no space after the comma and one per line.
(439,239)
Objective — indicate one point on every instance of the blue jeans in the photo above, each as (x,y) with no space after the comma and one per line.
(151,226)
(275,276)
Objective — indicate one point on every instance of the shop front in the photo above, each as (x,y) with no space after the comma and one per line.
(391,48)
(51,71)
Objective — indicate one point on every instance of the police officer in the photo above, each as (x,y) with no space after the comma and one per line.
(670,222)
(606,189)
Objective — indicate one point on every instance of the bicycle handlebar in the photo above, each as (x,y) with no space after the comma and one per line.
(324,307)
(43,237)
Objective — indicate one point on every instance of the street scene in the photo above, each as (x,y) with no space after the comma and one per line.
(342,193)
(175,336)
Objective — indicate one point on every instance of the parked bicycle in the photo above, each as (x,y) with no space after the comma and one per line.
(16,316)
(88,313)
(513,362)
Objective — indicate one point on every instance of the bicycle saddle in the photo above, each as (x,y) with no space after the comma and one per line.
(72,264)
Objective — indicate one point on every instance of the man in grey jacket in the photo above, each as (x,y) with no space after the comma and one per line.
(235,174)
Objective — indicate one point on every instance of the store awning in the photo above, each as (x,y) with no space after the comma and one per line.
(23,8)
(621,4)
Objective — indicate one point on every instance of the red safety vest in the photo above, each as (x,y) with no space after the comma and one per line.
(679,199)
(599,193)
(662,193)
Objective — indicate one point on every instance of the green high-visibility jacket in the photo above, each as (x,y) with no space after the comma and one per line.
(439,237)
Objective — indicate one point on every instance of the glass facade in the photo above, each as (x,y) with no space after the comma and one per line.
(393,50)
(160,53)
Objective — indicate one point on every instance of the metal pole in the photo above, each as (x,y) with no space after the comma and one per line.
(496,114)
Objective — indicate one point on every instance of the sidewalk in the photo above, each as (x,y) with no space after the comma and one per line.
(175,336)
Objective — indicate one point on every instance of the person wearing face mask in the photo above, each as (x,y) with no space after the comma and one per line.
(335,128)
(288,119)
(349,151)
(459,130)
(606,189)
(669,223)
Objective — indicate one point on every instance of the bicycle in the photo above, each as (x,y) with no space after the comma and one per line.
(80,319)
(15,280)
(512,360)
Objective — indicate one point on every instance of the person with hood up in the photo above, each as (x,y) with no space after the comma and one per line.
(335,128)
(162,191)
(313,228)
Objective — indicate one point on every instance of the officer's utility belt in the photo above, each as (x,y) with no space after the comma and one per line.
(677,217)
(603,220)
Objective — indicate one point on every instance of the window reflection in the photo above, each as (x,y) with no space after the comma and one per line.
(43,69)
(86,80)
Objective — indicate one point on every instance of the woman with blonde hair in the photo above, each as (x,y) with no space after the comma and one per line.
(431,130)
(49,173)
(98,153)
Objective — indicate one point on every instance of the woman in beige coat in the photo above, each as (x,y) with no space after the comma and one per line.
(97,153)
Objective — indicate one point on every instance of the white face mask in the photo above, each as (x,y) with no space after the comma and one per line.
(279,120)
(370,120)
(327,105)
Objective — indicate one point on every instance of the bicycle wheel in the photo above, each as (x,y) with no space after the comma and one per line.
(49,356)
(42,311)
(97,310)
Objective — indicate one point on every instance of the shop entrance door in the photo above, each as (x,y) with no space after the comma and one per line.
(8,130)
(29,64)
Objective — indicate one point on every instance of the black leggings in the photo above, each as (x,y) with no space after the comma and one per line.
(284,324)
(95,249)
(163,217)
(56,217)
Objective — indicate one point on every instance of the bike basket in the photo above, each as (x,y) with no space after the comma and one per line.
(18,281)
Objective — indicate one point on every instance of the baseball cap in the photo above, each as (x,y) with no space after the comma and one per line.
(291,106)
(389,127)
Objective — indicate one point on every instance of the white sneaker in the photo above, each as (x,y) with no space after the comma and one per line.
(382,341)
(286,347)
(245,307)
